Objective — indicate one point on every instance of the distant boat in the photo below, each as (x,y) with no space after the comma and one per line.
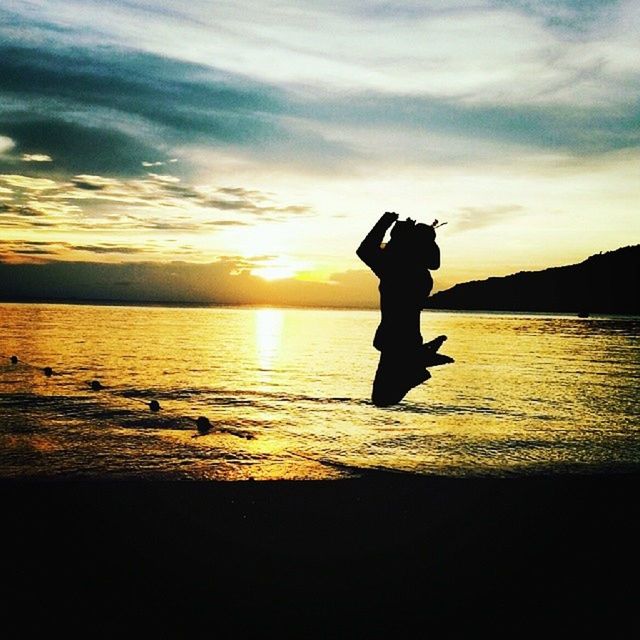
(583,314)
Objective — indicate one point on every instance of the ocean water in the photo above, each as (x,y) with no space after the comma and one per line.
(287,393)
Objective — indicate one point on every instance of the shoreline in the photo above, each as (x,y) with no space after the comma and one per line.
(382,549)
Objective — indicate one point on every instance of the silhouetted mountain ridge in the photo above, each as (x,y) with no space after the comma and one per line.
(604,283)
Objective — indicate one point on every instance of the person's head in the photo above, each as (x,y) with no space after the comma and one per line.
(402,232)
(424,233)
(410,241)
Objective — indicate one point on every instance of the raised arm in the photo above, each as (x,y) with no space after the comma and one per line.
(370,251)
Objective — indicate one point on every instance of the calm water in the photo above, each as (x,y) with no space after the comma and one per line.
(527,394)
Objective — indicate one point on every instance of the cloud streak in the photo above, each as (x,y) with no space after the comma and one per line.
(159,202)
(166,191)
(469,218)
(501,50)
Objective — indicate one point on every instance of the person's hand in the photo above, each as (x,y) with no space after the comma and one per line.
(390,217)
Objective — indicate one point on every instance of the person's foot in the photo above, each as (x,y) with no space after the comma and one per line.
(434,344)
(430,355)
(434,359)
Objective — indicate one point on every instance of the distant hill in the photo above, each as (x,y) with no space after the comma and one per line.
(603,283)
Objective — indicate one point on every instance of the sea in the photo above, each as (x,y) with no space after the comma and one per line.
(285,394)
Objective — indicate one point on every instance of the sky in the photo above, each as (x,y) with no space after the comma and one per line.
(239,151)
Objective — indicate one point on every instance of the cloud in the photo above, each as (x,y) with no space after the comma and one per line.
(164,178)
(468,218)
(35,157)
(28,251)
(94,183)
(77,147)
(111,109)
(147,281)
(107,248)
(42,251)
(434,130)
(570,15)
(160,202)
(28,183)
(108,110)
(487,50)
(225,281)
(20,210)
(150,192)
(6,144)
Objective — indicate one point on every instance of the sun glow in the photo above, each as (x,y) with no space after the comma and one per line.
(274,272)
(278,269)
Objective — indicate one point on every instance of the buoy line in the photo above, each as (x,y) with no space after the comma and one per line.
(202,424)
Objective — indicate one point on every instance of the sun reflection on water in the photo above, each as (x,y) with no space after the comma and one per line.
(268,332)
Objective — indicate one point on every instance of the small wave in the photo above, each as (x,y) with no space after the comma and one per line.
(458,409)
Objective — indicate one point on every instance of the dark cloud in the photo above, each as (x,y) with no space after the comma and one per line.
(240,192)
(226,281)
(107,248)
(20,210)
(42,247)
(147,281)
(28,250)
(76,147)
(226,223)
(181,95)
(88,184)
(577,129)
(27,223)
(36,251)
(108,110)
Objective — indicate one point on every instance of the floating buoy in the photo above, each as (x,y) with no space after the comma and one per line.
(203,425)
(154,405)
(48,371)
(14,359)
(96,385)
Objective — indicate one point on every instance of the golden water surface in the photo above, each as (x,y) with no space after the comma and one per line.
(287,394)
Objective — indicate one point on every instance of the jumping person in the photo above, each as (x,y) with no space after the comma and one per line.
(403,266)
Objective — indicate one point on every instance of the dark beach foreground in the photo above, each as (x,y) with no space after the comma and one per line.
(378,554)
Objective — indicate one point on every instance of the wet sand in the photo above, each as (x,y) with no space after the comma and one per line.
(375,554)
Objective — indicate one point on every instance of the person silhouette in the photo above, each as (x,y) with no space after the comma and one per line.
(403,267)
